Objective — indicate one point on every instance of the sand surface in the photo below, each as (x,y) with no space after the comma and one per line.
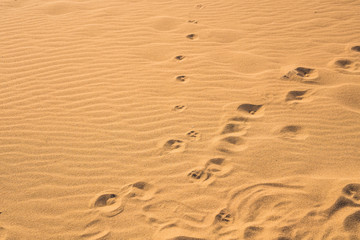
(179,120)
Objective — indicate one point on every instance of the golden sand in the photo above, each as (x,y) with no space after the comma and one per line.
(179,120)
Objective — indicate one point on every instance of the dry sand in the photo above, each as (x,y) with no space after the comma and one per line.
(164,119)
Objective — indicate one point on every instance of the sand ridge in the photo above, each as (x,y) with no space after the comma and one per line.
(179,120)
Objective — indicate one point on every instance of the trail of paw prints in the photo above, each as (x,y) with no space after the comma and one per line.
(212,169)
(302,74)
(232,137)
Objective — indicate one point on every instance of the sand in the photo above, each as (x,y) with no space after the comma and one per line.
(179,120)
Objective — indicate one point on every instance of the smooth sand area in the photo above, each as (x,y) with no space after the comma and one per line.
(179,120)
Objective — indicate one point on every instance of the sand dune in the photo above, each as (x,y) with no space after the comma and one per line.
(179,120)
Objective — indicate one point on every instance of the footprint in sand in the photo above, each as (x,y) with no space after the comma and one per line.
(107,203)
(179,57)
(230,139)
(181,78)
(350,197)
(111,203)
(251,110)
(199,175)
(231,128)
(352,222)
(295,96)
(192,36)
(179,108)
(199,6)
(173,146)
(193,135)
(230,144)
(212,169)
(140,191)
(193,21)
(346,65)
(355,48)
(293,132)
(224,217)
(302,74)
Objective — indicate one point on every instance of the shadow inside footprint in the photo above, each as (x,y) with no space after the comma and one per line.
(230,144)
(179,108)
(303,72)
(292,132)
(352,222)
(216,161)
(295,95)
(141,191)
(356,48)
(181,78)
(234,140)
(179,58)
(191,36)
(173,144)
(232,128)
(343,63)
(250,109)
(108,204)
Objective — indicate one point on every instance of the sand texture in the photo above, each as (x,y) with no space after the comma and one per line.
(179,120)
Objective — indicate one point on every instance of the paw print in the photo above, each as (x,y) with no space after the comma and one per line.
(179,108)
(180,57)
(193,135)
(181,78)
(224,217)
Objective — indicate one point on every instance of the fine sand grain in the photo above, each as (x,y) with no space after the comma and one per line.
(179,120)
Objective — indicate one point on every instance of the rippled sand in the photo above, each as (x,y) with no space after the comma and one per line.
(179,120)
